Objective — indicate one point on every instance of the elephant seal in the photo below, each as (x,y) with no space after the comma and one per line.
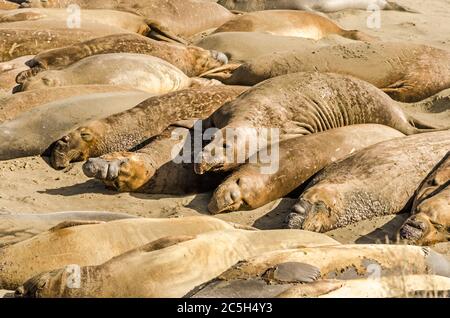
(19,41)
(298,104)
(428,286)
(91,244)
(202,258)
(19,227)
(34,131)
(291,23)
(139,71)
(124,20)
(192,60)
(250,186)
(430,220)
(246,46)
(407,72)
(171,19)
(379,180)
(9,71)
(310,5)
(273,272)
(12,106)
(123,131)
(156,168)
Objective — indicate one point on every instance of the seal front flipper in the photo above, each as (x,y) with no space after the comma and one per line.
(157,32)
(221,73)
(314,289)
(67,224)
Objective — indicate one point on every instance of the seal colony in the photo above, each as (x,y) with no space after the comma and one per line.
(222,137)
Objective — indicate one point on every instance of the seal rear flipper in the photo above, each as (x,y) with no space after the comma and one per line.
(24,75)
(419,126)
(67,224)
(221,73)
(396,7)
(157,32)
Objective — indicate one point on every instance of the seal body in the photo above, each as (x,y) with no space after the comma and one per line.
(138,71)
(375,181)
(34,131)
(271,273)
(309,5)
(19,227)
(182,17)
(430,220)
(289,23)
(202,258)
(18,40)
(128,129)
(299,104)
(118,19)
(192,60)
(405,71)
(12,106)
(91,244)
(251,186)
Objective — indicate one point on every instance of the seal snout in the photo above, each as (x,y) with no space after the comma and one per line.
(227,197)
(219,56)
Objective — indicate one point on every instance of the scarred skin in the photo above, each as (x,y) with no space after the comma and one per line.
(181,17)
(158,273)
(152,169)
(379,180)
(16,42)
(430,220)
(309,5)
(290,23)
(249,187)
(301,104)
(125,130)
(407,72)
(276,271)
(192,60)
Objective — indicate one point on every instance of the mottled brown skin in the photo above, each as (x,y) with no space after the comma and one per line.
(152,168)
(430,220)
(192,60)
(14,105)
(16,42)
(376,181)
(126,130)
(302,104)
(407,72)
(299,158)
(291,23)
(177,17)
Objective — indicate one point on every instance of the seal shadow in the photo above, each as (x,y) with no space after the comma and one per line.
(386,232)
(90,186)
(275,218)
